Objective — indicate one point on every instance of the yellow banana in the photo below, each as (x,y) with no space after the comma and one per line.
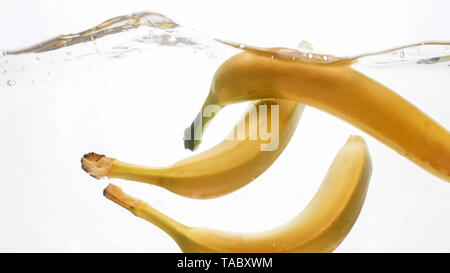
(320,227)
(332,86)
(222,169)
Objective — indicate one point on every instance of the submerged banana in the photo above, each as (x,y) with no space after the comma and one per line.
(330,84)
(320,227)
(222,169)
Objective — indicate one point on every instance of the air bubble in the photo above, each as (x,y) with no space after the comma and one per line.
(241,46)
(11,82)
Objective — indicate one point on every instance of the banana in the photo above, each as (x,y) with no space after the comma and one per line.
(320,227)
(222,169)
(334,87)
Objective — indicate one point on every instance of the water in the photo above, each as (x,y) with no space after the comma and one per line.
(426,53)
(128,88)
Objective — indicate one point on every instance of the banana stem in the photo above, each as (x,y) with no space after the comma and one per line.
(100,166)
(137,173)
(139,208)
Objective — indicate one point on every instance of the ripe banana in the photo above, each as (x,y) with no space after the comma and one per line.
(332,86)
(222,169)
(320,227)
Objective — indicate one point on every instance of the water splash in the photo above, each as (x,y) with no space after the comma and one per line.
(305,45)
(419,53)
(287,53)
(422,53)
(111,26)
(140,31)
(123,35)
(133,34)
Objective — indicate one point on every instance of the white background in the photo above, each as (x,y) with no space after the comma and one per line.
(406,208)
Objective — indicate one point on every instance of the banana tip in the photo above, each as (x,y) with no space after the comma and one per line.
(356,139)
(96,165)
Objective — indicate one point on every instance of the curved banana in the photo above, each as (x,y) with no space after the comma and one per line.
(320,227)
(338,89)
(222,169)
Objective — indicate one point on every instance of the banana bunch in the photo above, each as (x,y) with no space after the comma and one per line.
(320,227)
(279,77)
